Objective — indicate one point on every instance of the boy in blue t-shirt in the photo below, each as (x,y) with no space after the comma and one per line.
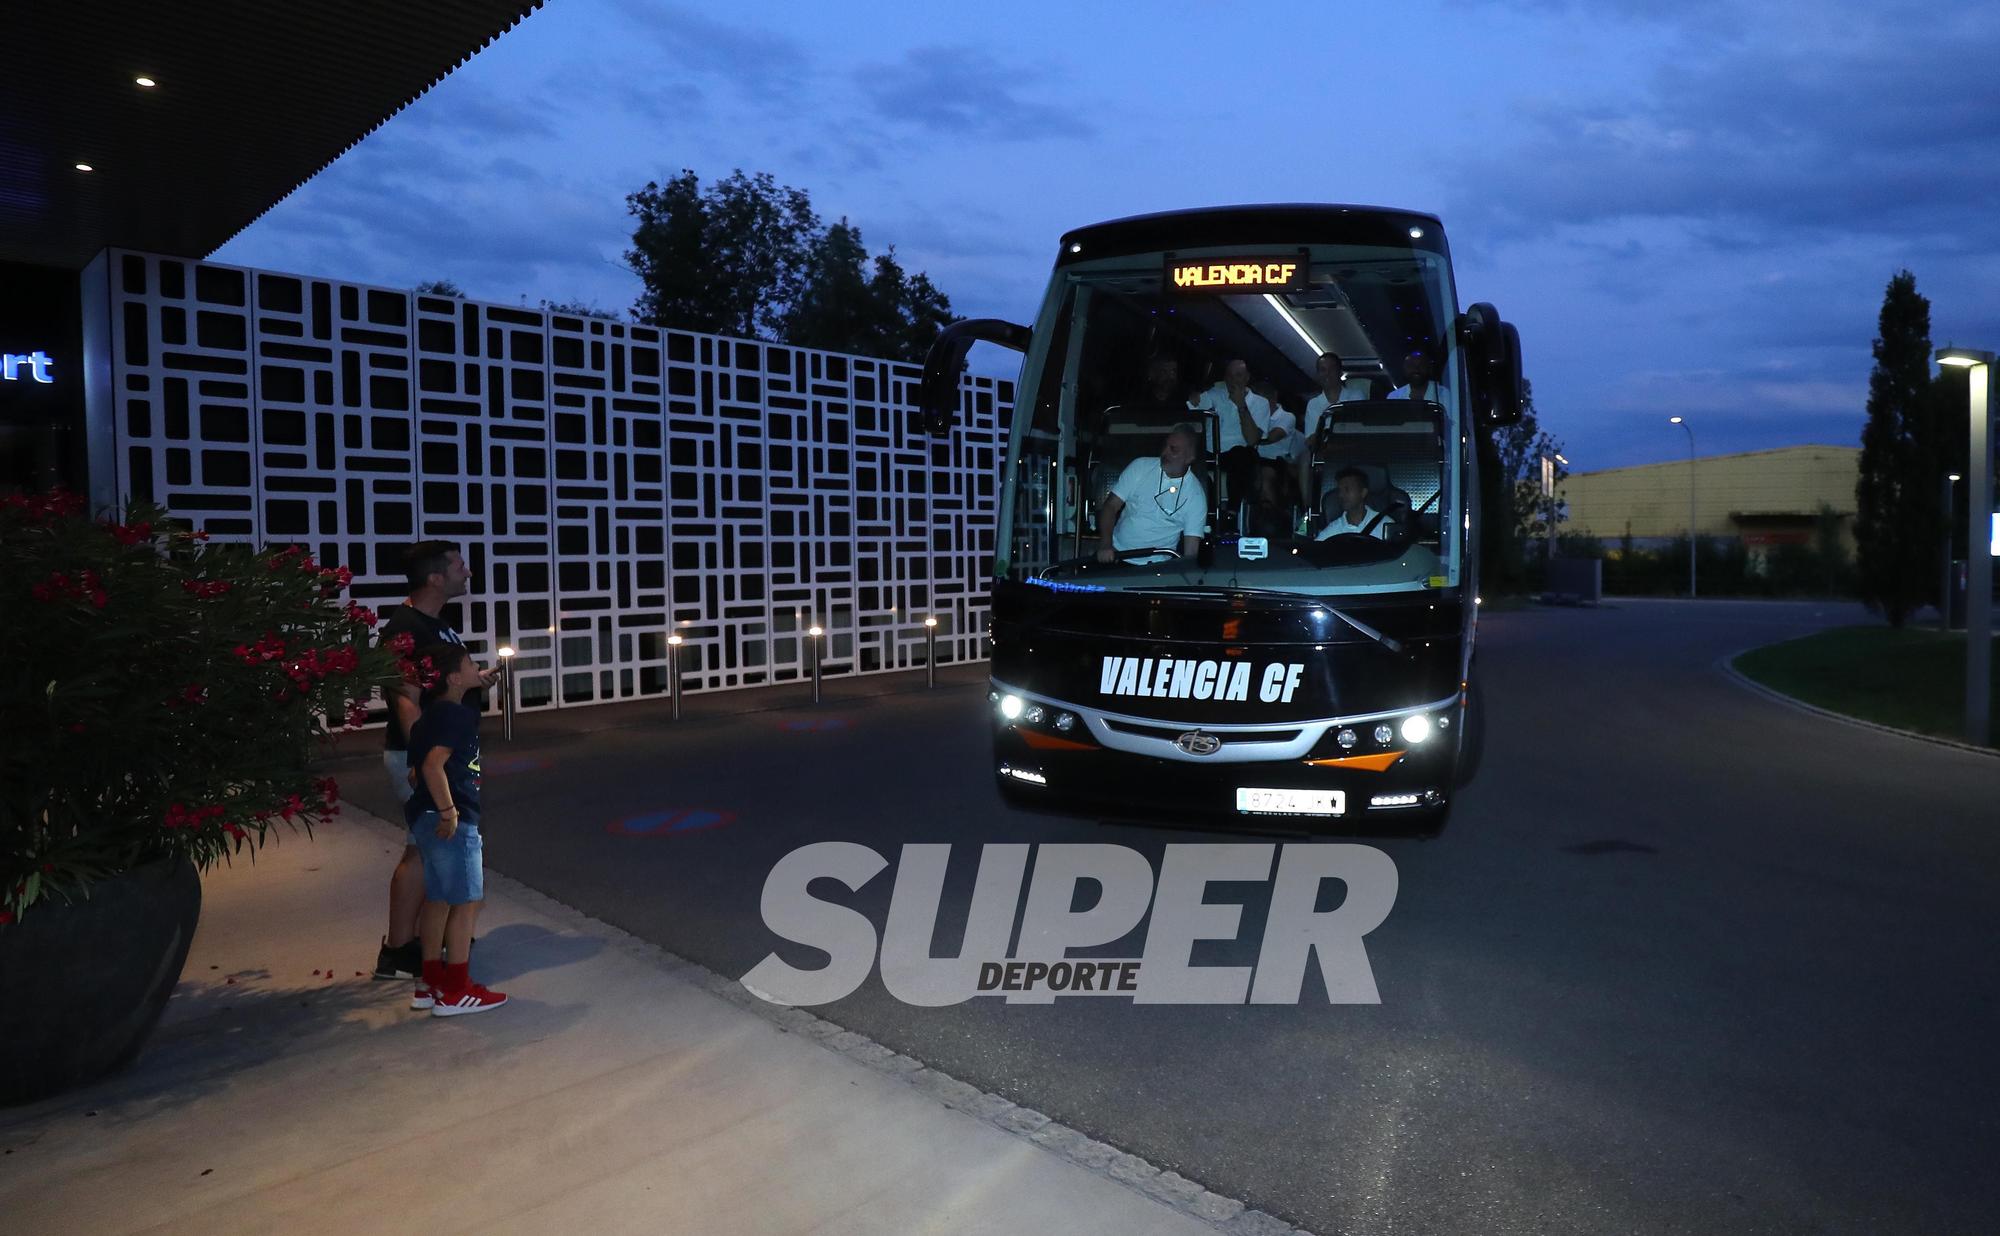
(443,815)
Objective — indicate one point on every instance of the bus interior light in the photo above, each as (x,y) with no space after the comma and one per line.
(1416,729)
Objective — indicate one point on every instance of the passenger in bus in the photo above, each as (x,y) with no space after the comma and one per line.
(1335,388)
(1356,516)
(1246,425)
(1417,373)
(1157,503)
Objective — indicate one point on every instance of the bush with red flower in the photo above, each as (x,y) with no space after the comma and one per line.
(163,693)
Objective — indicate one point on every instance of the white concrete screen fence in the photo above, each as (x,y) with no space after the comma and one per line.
(609,483)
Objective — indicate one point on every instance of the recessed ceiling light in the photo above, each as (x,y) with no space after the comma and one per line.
(85,167)
(146,81)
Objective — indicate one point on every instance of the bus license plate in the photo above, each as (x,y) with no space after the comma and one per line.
(1290,802)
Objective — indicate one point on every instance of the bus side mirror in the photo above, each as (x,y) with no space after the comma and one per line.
(1493,363)
(937,392)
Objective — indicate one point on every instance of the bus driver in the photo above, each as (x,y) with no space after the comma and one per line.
(1157,503)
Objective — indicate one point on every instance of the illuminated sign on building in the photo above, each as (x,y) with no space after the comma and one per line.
(1245,276)
(36,364)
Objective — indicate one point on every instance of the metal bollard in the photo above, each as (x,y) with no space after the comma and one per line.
(674,673)
(930,653)
(507,693)
(812,656)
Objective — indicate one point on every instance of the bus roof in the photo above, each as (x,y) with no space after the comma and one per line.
(1215,226)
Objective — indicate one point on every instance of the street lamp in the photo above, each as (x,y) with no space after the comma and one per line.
(1549,500)
(1978,551)
(1944,594)
(1682,422)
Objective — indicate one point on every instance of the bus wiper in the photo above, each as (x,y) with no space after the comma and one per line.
(1210,590)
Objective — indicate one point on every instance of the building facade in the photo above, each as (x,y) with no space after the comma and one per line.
(1762,498)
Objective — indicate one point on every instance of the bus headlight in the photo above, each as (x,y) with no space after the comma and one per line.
(1010,706)
(1034,714)
(1065,721)
(1384,734)
(1416,729)
(1346,740)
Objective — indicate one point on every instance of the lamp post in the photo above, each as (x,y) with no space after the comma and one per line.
(1944,593)
(812,653)
(1682,422)
(1549,501)
(1978,539)
(674,671)
(507,692)
(930,652)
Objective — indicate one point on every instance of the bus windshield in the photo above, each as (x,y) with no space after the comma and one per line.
(1270,417)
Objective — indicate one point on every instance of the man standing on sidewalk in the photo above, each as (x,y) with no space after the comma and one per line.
(438,575)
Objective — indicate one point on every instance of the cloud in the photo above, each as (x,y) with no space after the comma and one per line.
(965,92)
(1867,132)
(766,63)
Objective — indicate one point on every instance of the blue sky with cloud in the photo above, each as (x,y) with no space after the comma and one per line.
(1689,207)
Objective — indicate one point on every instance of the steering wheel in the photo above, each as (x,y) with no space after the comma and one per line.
(1128,555)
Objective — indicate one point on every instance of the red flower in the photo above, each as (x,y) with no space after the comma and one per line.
(357,716)
(206,587)
(404,643)
(195,693)
(327,788)
(42,508)
(131,534)
(199,534)
(360,615)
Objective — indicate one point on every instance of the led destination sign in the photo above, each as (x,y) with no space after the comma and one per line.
(1242,275)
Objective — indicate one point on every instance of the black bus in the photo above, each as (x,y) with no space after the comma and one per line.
(1236,571)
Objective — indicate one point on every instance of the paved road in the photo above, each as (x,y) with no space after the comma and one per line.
(1685,960)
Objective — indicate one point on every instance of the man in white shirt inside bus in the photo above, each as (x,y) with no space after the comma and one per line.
(1335,388)
(1356,516)
(1157,503)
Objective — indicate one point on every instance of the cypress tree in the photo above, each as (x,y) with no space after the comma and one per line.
(1896,498)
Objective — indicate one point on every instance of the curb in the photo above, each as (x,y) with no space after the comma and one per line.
(1225,1214)
(1727,664)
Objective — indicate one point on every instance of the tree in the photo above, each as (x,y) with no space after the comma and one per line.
(438,287)
(1897,498)
(728,261)
(748,257)
(581,309)
(1512,504)
(843,309)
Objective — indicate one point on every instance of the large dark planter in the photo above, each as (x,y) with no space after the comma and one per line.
(82,984)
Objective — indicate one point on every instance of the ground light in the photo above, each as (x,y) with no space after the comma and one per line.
(1978,514)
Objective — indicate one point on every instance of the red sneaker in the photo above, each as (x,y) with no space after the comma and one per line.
(422,998)
(471,999)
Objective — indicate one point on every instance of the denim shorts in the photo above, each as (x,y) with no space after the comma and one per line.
(453,871)
(397,765)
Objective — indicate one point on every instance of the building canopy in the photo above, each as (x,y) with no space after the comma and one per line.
(250,99)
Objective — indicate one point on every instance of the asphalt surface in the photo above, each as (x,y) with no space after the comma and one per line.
(1685,960)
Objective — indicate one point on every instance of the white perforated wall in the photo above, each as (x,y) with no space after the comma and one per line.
(608,483)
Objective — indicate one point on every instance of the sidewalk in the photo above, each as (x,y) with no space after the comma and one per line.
(619,1091)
